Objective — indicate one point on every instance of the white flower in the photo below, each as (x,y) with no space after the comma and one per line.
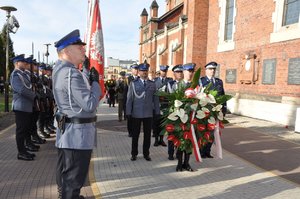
(183,116)
(200,114)
(173,116)
(206,110)
(211,120)
(220,116)
(177,103)
(217,108)
(202,99)
(179,113)
(194,106)
(211,99)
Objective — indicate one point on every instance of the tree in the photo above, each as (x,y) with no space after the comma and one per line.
(3,53)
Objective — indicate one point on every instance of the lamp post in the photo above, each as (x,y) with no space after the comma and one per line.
(47,52)
(8,10)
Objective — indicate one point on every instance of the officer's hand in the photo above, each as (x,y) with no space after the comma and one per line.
(94,75)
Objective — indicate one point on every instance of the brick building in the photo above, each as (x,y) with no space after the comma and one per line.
(255,42)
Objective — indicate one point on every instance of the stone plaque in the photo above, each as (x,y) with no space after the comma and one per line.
(294,71)
(231,76)
(217,74)
(269,71)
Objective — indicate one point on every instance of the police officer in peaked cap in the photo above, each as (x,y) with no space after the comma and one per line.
(77,98)
(141,101)
(161,84)
(22,105)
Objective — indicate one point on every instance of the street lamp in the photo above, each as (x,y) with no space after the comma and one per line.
(12,25)
(47,52)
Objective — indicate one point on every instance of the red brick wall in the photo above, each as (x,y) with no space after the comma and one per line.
(254,25)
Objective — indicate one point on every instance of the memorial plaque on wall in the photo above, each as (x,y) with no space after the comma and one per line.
(269,71)
(294,71)
(231,76)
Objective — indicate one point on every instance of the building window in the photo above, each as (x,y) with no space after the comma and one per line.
(291,12)
(229,20)
(227,26)
(285,20)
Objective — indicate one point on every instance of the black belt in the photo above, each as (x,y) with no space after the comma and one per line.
(77,120)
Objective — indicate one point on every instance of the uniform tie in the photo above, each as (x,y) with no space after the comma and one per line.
(144,83)
(162,80)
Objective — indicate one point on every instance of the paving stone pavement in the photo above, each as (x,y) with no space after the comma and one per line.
(113,175)
(118,177)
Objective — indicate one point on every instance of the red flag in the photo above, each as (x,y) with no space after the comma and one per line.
(95,46)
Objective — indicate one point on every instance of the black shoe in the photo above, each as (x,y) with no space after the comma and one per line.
(155,143)
(52,127)
(209,156)
(43,134)
(203,156)
(37,140)
(147,158)
(162,143)
(33,145)
(31,154)
(32,149)
(179,167)
(133,158)
(171,157)
(49,131)
(187,167)
(24,156)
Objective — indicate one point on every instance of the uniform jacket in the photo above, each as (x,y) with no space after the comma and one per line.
(141,101)
(23,96)
(69,83)
(217,85)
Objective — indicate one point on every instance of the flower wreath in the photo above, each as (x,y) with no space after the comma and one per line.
(193,114)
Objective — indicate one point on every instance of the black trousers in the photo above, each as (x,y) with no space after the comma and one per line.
(129,125)
(23,126)
(71,171)
(136,126)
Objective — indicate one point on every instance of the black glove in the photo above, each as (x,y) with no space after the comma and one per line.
(94,75)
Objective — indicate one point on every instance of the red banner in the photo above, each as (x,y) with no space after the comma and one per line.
(95,46)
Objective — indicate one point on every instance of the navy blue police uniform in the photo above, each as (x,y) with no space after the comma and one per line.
(161,84)
(217,84)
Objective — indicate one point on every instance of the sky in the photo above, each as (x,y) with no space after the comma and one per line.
(42,22)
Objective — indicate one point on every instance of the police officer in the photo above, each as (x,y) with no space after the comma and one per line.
(121,92)
(161,84)
(22,105)
(184,156)
(141,100)
(130,78)
(216,84)
(172,86)
(77,99)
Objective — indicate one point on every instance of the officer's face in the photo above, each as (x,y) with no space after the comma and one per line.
(188,74)
(163,73)
(210,72)
(76,53)
(143,74)
(134,71)
(178,75)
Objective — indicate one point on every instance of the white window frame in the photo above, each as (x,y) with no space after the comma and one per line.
(225,45)
(172,46)
(159,49)
(283,33)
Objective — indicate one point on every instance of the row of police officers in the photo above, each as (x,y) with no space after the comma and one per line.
(32,104)
(144,107)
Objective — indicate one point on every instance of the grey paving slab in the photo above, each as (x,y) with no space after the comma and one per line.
(231,177)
